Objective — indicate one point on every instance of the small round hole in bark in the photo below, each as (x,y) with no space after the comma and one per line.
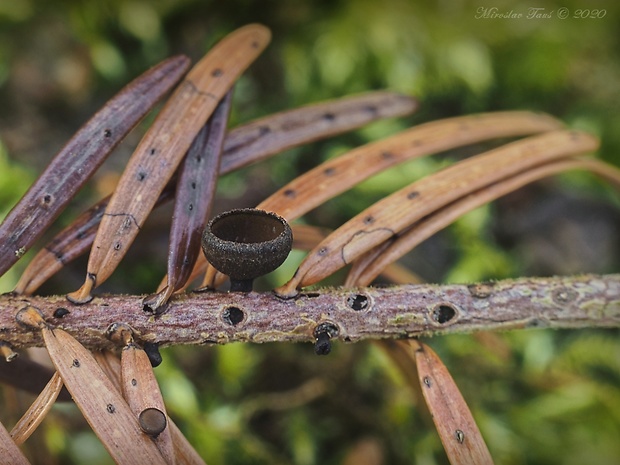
(233,315)
(444,313)
(358,302)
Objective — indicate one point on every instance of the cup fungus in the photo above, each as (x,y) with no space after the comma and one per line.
(245,244)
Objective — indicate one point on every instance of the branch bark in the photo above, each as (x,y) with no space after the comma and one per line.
(349,314)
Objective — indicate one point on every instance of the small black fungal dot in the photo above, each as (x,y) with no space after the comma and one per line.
(323,251)
(118,246)
(217,72)
(460,436)
(371,109)
(290,193)
(60,312)
(76,363)
(233,315)
(110,408)
(152,152)
(387,155)
(47,199)
(152,351)
(357,302)
(107,133)
(369,220)
(190,207)
(193,185)
(329,171)
(262,130)
(322,346)
(412,195)
(427,381)
(443,313)
(134,382)
(141,176)
(329,116)
(255,44)
(152,421)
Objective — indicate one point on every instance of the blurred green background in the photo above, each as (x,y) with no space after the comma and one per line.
(540,397)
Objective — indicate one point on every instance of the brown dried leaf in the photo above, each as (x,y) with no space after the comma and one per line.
(395,213)
(37,411)
(141,391)
(366,268)
(81,156)
(110,363)
(196,183)
(101,404)
(184,452)
(161,149)
(455,424)
(10,454)
(275,133)
(342,173)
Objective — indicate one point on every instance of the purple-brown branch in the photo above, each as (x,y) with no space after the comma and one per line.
(356,313)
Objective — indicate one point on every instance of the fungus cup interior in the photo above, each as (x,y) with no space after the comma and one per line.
(247,226)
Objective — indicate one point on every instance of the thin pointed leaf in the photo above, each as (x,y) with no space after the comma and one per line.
(388,217)
(81,156)
(10,454)
(70,243)
(110,364)
(160,151)
(275,133)
(196,185)
(455,424)
(342,173)
(37,411)
(141,391)
(101,404)
(183,450)
(366,268)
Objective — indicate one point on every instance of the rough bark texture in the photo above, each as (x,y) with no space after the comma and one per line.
(349,314)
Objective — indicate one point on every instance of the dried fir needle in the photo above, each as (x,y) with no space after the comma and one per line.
(69,244)
(141,391)
(342,173)
(196,185)
(161,149)
(275,133)
(368,266)
(454,421)
(38,410)
(102,405)
(184,452)
(81,156)
(388,217)
(10,453)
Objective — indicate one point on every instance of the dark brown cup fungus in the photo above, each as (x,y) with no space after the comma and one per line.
(152,421)
(245,244)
